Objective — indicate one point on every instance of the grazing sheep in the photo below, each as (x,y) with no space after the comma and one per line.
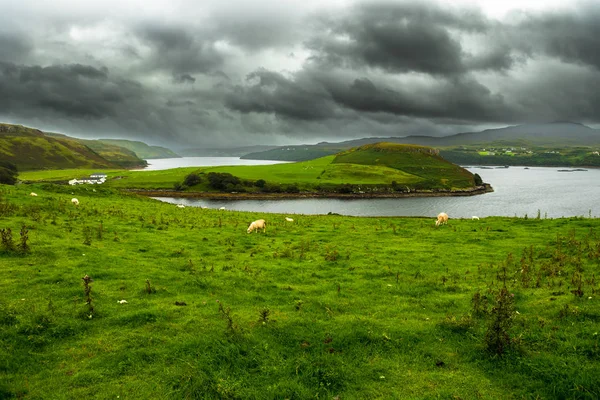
(33,194)
(222,208)
(442,218)
(475,217)
(122,301)
(258,224)
(204,207)
(180,206)
(288,219)
(75,201)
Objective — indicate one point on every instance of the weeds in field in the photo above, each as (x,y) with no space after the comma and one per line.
(87,290)
(149,289)
(8,244)
(497,337)
(23,245)
(264,315)
(226,315)
(87,235)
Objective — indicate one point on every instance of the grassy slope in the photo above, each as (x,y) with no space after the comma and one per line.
(31,149)
(366,165)
(141,149)
(115,154)
(416,160)
(359,307)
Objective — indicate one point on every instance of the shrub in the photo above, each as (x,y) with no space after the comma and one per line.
(260,183)
(478,180)
(192,179)
(8,176)
(220,180)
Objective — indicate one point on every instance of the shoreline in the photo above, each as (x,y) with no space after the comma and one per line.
(485,188)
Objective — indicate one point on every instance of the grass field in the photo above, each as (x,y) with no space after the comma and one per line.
(323,307)
(372,167)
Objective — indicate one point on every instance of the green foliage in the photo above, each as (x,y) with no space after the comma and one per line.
(192,179)
(8,173)
(8,244)
(222,180)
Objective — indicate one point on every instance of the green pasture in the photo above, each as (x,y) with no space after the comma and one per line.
(364,166)
(322,307)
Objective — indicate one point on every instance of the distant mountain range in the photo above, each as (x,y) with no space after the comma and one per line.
(141,149)
(223,151)
(546,134)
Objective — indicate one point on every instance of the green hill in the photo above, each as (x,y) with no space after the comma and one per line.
(370,168)
(31,149)
(382,168)
(141,149)
(419,161)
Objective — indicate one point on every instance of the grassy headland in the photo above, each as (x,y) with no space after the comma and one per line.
(376,169)
(324,306)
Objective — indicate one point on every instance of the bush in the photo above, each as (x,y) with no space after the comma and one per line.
(8,173)
(192,179)
(346,188)
(272,188)
(260,183)
(221,180)
(292,189)
(478,180)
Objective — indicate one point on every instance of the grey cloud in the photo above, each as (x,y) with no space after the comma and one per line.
(571,37)
(312,95)
(399,37)
(180,51)
(271,92)
(14,47)
(184,78)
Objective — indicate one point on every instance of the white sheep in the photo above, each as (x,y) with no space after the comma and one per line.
(180,206)
(33,194)
(122,301)
(75,201)
(442,218)
(222,208)
(288,219)
(204,207)
(475,217)
(258,224)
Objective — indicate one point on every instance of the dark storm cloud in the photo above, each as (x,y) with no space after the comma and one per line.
(179,51)
(397,38)
(75,90)
(316,95)
(271,92)
(571,37)
(227,73)
(459,99)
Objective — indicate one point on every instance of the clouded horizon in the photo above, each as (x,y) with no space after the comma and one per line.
(187,73)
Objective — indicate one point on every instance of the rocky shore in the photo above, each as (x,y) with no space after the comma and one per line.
(485,188)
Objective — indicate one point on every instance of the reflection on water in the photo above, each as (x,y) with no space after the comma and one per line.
(518,191)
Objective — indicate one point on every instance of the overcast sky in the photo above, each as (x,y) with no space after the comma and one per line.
(217,73)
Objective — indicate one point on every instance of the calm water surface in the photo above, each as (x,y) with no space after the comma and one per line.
(168,163)
(517,192)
